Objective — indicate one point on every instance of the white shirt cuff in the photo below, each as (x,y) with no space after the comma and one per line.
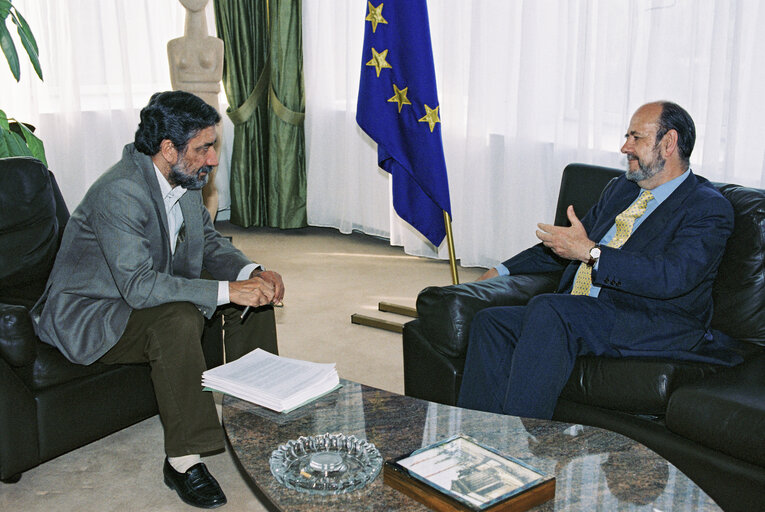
(223,296)
(247,270)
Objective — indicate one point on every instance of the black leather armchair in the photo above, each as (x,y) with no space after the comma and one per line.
(707,420)
(49,406)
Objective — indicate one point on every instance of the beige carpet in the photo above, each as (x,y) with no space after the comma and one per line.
(328,277)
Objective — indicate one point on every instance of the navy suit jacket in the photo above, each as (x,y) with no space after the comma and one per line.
(660,281)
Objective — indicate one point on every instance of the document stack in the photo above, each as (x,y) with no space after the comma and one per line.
(277,383)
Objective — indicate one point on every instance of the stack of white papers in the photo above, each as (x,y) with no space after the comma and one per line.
(278,383)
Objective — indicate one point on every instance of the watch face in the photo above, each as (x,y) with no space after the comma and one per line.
(595,252)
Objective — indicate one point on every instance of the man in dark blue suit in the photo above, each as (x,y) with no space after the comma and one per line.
(637,278)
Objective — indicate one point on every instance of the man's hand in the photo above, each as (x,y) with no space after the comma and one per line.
(571,243)
(260,289)
(492,272)
(272,278)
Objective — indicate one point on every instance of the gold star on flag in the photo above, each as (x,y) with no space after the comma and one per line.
(431,117)
(399,97)
(375,16)
(378,61)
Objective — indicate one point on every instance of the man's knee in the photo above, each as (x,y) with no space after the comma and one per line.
(546,301)
(178,323)
(183,315)
(480,320)
(553,307)
(502,317)
(565,307)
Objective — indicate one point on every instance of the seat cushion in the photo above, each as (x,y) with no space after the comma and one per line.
(51,368)
(38,364)
(631,385)
(725,412)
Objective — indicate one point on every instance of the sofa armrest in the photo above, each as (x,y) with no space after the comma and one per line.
(19,447)
(17,335)
(445,312)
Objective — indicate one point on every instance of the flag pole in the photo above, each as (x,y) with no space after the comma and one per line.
(418,168)
(450,244)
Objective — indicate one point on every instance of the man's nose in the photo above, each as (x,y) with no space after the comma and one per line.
(626,147)
(212,158)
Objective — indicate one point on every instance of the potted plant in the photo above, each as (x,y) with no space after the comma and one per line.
(16,138)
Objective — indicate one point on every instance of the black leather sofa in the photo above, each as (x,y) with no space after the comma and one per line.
(49,406)
(709,421)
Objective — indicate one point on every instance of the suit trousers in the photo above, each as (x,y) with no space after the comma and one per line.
(519,358)
(168,337)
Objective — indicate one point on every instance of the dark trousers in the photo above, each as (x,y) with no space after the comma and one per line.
(168,337)
(519,358)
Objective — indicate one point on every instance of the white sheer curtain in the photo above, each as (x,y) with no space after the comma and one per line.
(101,61)
(527,86)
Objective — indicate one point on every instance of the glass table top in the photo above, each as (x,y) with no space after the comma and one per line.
(595,469)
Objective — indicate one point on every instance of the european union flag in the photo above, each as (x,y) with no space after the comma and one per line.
(398,108)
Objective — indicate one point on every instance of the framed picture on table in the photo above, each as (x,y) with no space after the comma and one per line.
(461,474)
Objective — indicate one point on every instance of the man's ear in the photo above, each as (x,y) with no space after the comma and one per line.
(669,143)
(168,151)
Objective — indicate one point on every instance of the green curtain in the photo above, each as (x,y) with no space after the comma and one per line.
(263,81)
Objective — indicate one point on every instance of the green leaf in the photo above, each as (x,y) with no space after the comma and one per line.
(3,145)
(4,121)
(23,25)
(28,41)
(17,146)
(5,8)
(35,145)
(9,49)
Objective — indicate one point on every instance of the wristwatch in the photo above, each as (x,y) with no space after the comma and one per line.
(594,255)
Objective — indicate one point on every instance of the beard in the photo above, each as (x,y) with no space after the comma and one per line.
(645,169)
(193,181)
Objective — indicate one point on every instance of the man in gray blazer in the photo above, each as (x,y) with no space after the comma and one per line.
(127,283)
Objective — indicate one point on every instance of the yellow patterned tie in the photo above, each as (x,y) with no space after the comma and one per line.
(624,223)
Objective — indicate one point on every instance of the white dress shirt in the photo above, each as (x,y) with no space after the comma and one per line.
(170,196)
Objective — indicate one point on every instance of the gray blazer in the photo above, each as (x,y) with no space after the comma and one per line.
(115,257)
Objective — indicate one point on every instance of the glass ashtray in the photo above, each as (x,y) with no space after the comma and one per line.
(326,464)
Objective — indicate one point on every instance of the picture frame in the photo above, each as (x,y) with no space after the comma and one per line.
(461,474)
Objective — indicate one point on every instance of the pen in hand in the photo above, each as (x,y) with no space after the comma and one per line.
(247,308)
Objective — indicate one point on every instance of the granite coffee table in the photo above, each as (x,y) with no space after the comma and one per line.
(595,469)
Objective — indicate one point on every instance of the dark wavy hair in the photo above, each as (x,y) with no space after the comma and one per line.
(674,117)
(174,115)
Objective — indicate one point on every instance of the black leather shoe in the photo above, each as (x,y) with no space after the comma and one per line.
(196,486)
